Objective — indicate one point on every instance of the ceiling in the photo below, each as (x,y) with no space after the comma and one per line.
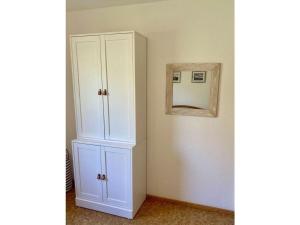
(91,4)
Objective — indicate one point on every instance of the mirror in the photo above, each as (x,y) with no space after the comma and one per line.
(192,89)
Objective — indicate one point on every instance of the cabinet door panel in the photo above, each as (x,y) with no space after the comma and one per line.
(87,81)
(116,167)
(87,165)
(117,56)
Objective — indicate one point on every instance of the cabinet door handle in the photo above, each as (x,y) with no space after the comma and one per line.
(105,92)
(99,176)
(99,92)
(103,177)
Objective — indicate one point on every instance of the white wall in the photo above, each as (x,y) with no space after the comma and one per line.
(189,158)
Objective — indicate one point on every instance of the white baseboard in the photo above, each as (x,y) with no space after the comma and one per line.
(105,208)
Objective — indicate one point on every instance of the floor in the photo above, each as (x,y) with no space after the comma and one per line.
(153,212)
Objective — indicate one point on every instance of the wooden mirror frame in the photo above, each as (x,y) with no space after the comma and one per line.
(214,68)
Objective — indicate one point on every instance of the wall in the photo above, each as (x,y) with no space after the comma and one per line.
(189,158)
(70,114)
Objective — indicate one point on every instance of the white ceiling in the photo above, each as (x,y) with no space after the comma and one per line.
(90,4)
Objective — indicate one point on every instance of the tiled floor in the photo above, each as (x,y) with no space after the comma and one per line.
(152,212)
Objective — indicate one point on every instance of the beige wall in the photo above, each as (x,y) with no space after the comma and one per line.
(70,113)
(189,158)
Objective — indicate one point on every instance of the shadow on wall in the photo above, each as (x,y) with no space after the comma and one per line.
(161,150)
(70,110)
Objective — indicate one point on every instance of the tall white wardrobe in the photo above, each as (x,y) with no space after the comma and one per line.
(109,154)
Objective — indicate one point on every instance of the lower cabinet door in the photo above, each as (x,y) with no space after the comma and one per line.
(117,183)
(87,169)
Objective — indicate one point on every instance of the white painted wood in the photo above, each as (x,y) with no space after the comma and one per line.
(86,168)
(103,33)
(139,175)
(116,167)
(124,190)
(140,50)
(116,144)
(87,82)
(121,70)
(119,211)
(118,80)
(111,130)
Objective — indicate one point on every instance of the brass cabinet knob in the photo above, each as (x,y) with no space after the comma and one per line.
(99,176)
(99,92)
(103,177)
(105,92)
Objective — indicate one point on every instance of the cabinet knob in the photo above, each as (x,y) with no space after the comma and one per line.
(99,92)
(105,92)
(103,177)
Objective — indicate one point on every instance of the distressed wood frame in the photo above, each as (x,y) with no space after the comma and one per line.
(214,68)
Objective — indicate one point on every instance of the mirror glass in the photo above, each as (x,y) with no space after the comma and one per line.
(191,89)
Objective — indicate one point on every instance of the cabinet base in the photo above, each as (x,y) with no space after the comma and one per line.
(105,208)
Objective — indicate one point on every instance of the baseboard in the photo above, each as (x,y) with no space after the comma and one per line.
(203,207)
(104,208)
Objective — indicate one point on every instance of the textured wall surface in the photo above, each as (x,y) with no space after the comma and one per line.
(189,158)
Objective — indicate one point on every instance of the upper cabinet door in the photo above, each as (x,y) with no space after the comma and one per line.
(87,82)
(118,80)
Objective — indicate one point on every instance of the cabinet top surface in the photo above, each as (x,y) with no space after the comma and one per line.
(116,32)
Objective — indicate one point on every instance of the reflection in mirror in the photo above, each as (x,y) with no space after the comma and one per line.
(191,89)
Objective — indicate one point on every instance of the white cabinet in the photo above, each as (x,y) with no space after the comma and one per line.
(109,154)
(103,178)
(108,178)
(106,71)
